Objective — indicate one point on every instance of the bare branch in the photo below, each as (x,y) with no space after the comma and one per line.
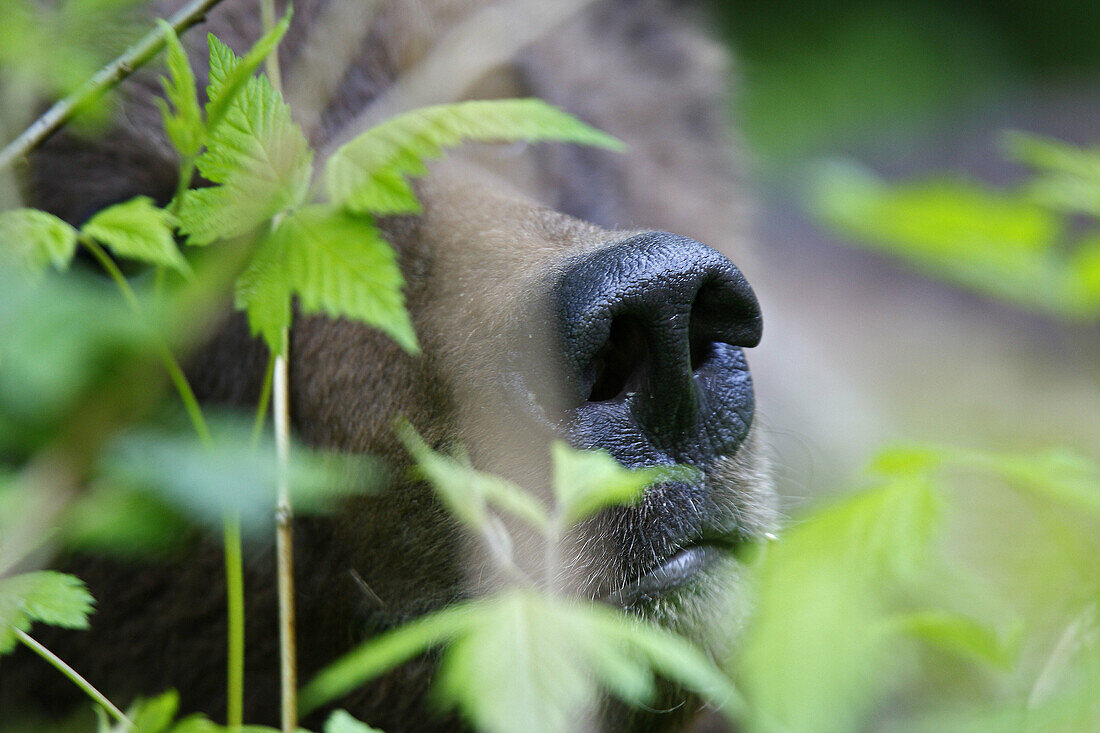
(103,81)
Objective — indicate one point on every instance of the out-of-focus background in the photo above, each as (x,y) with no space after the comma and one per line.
(885,344)
(927,258)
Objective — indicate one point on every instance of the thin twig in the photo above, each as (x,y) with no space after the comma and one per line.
(73,675)
(104,80)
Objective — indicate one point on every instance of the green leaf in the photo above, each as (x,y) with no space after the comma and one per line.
(526,661)
(1002,244)
(368,174)
(335,263)
(229,75)
(1060,475)
(112,520)
(178,468)
(342,722)
(183,121)
(156,714)
(587,481)
(32,240)
(261,159)
(671,656)
(387,651)
(138,230)
(958,635)
(817,652)
(467,492)
(1049,155)
(61,337)
(48,597)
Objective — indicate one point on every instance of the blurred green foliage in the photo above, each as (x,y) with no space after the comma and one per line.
(869,609)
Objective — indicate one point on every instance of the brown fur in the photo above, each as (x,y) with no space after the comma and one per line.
(472,261)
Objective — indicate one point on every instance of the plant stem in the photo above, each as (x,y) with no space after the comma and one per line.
(284,513)
(285,549)
(271,63)
(231,529)
(234,596)
(101,82)
(72,674)
(265,400)
(175,371)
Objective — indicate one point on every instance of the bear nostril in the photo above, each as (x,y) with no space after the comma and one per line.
(702,341)
(620,364)
(701,351)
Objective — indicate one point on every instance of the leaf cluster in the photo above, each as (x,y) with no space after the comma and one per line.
(1019,246)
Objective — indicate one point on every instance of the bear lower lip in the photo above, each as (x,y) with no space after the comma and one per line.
(669,575)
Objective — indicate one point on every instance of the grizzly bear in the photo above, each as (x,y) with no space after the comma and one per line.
(550,301)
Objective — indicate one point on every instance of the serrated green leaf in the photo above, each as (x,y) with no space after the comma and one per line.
(335,263)
(183,121)
(369,173)
(261,160)
(138,230)
(467,492)
(32,240)
(342,722)
(588,481)
(48,597)
(229,74)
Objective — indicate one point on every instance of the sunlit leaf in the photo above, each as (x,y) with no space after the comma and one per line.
(114,521)
(368,174)
(156,714)
(229,74)
(818,651)
(258,155)
(999,243)
(387,651)
(46,596)
(335,263)
(183,121)
(1061,475)
(32,240)
(61,337)
(138,230)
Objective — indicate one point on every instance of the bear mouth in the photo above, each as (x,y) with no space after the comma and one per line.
(674,571)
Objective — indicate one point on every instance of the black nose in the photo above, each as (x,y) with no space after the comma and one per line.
(650,334)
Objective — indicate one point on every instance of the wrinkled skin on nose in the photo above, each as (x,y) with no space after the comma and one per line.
(650,331)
